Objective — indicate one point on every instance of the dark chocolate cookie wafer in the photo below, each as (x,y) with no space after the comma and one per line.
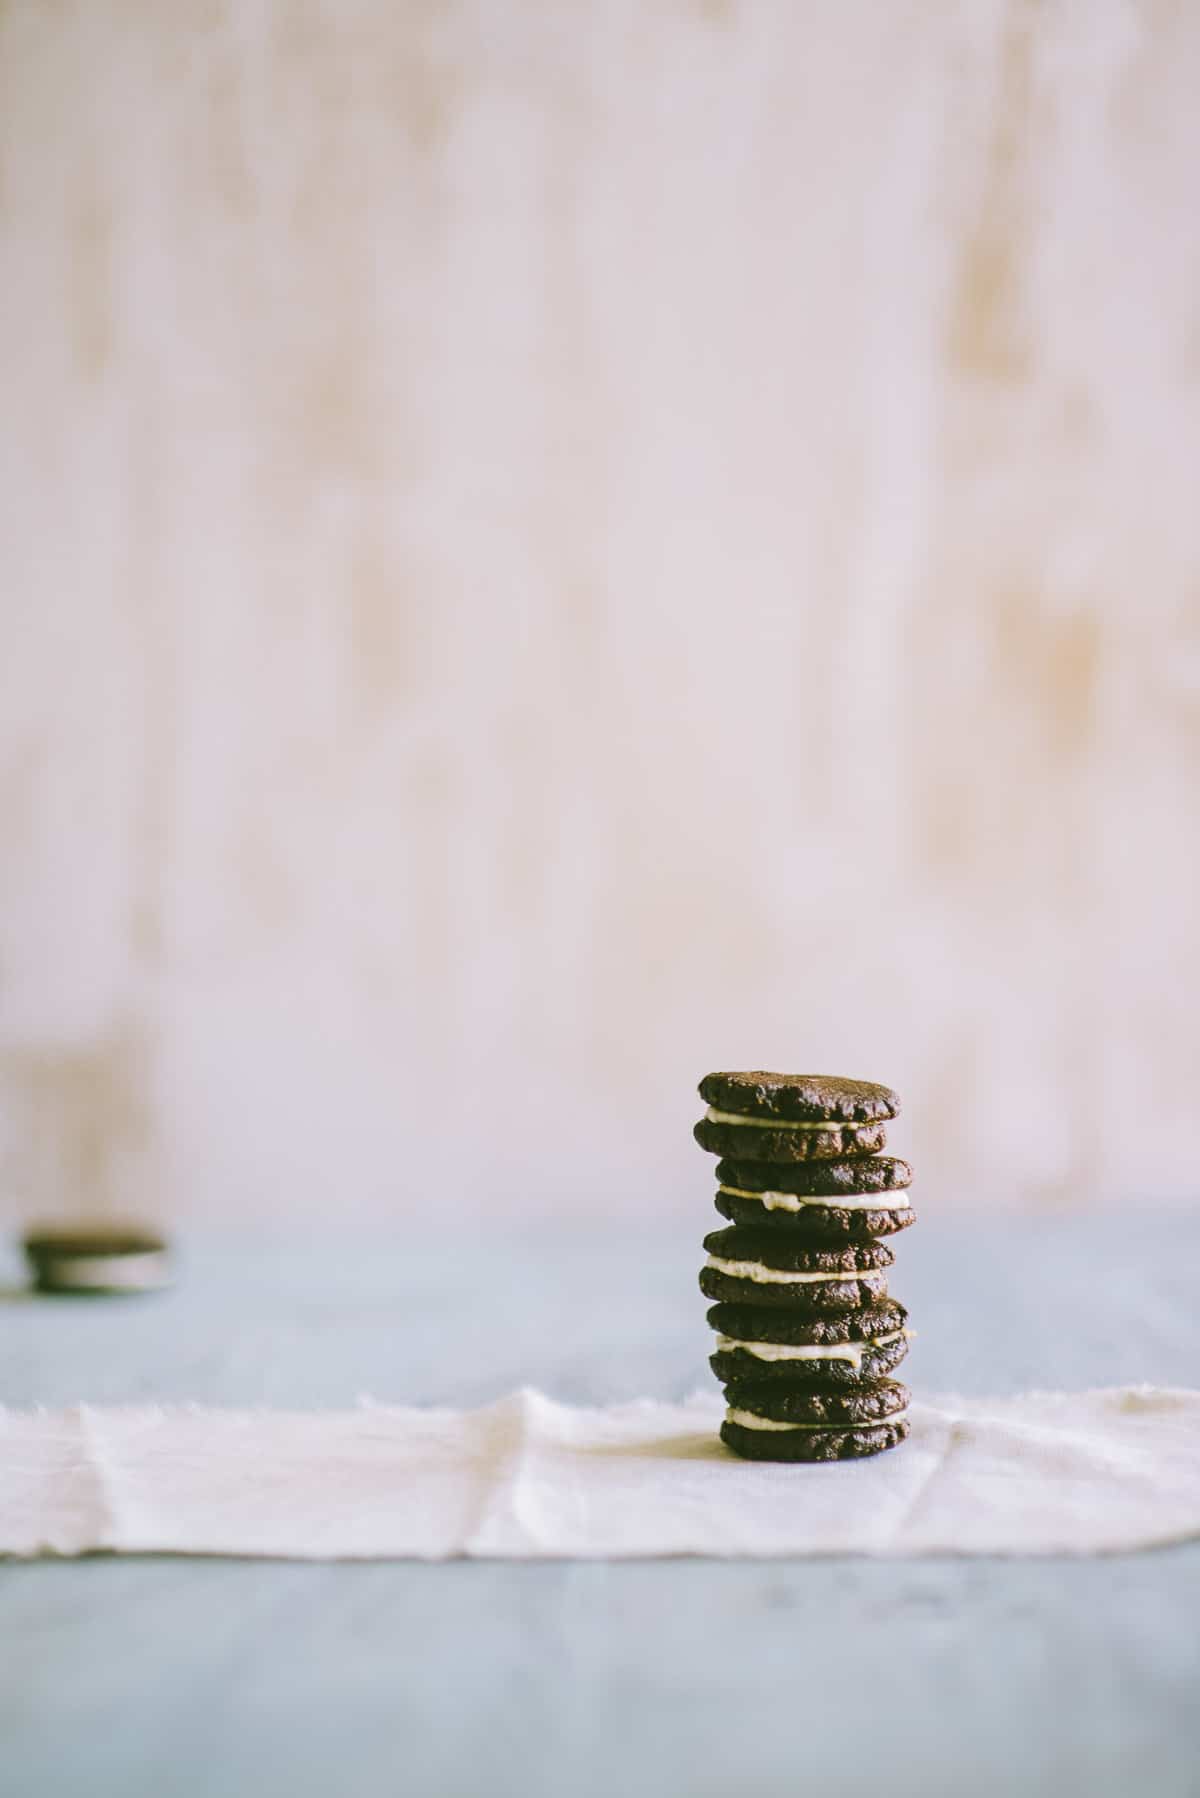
(821,1226)
(756,1344)
(836,1181)
(786,1327)
(805,1098)
(818,1200)
(874,1401)
(745,1268)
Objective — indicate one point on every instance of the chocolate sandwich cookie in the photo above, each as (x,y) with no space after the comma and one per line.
(748,1269)
(788,1118)
(759,1345)
(818,1200)
(96,1258)
(765,1424)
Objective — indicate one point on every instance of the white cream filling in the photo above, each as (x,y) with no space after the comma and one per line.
(748,1420)
(713,1116)
(896,1200)
(851,1352)
(779,1276)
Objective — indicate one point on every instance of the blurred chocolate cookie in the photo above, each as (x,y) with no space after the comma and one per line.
(98,1259)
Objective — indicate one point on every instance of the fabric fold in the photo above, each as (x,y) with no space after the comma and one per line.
(528,1477)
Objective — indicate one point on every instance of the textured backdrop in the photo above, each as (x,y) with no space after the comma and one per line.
(550,546)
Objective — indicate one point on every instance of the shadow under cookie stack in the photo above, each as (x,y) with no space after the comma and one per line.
(807,1333)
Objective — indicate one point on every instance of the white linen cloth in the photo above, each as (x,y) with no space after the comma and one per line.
(1044,1473)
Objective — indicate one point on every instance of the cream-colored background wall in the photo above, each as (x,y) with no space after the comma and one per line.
(549,546)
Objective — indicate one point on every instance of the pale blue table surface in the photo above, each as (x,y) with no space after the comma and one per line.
(176,1678)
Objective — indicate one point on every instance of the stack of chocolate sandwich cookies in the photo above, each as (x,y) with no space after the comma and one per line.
(807,1334)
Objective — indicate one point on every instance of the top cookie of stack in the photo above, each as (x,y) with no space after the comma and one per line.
(801,1152)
